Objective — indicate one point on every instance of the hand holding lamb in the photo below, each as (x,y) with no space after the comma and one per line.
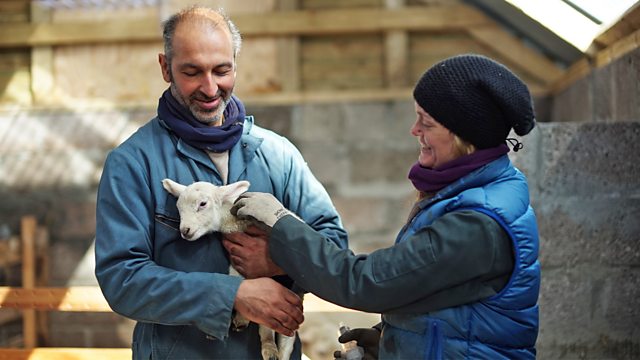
(249,253)
(205,208)
(260,207)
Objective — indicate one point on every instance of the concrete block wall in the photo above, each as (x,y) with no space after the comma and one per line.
(585,189)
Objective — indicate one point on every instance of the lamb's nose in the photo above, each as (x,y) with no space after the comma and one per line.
(185,232)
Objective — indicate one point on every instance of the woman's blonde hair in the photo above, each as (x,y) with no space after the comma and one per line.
(461,147)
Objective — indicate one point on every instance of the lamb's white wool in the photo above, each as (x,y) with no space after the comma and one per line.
(205,208)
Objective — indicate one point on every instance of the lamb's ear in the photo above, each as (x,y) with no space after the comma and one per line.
(173,187)
(232,191)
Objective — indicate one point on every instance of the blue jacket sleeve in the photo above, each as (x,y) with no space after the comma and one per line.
(134,285)
(304,195)
(449,263)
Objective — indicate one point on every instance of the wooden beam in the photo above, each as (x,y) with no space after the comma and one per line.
(628,23)
(511,48)
(584,67)
(280,23)
(80,298)
(42,34)
(90,299)
(66,354)
(618,49)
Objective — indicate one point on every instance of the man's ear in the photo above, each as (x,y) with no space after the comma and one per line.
(164,66)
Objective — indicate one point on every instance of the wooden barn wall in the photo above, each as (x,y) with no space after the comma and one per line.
(14,63)
(342,62)
(127,73)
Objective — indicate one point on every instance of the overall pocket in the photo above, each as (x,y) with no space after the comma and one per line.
(411,337)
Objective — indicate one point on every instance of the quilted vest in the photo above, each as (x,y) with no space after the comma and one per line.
(504,326)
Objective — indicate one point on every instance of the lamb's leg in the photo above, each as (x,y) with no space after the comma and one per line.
(285,345)
(239,322)
(268,343)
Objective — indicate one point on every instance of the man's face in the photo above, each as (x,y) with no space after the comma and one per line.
(202,71)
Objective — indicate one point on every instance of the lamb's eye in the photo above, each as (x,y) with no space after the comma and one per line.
(203,204)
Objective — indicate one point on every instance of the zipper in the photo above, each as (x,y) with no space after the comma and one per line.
(435,353)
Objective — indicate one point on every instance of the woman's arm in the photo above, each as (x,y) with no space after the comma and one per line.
(453,261)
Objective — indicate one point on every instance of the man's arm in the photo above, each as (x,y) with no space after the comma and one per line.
(139,288)
(306,197)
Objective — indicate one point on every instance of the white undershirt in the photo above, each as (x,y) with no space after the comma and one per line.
(221,161)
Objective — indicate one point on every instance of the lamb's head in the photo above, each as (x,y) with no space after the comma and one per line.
(203,206)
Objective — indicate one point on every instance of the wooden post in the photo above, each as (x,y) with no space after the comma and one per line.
(396,53)
(42,279)
(289,54)
(42,82)
(28,235)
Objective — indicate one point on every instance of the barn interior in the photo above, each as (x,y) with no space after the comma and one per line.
(78,77)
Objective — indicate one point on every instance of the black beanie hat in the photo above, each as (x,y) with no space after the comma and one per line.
(477,99)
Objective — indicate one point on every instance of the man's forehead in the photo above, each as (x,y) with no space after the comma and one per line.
(201,24)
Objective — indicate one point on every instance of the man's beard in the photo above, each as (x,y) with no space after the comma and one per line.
(214,117)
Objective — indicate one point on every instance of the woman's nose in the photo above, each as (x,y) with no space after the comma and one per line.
(415,131)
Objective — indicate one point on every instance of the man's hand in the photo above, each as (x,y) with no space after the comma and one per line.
(249,253)
(262,207)
(268,303)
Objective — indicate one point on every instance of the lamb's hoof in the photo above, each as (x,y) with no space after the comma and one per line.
(269,353)
(238,327)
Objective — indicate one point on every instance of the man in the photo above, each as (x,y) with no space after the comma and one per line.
(179,292)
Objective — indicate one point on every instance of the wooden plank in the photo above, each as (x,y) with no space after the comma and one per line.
(281,23)
(425,49)
(28,235)
(12,11)
(90,299)
(65,354)
(333,4)
(584,67)
(322,22)
(345,62)
(627,24)
(27,35)
(516,52)
(618,49)
(79,298)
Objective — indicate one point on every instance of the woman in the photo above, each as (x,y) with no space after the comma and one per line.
(462,279)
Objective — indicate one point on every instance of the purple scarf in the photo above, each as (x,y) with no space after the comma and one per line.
(433,180)
(188,128)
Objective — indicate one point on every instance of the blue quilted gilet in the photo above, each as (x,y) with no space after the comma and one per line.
(504,326)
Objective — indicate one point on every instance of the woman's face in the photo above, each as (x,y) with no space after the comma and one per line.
(437,144)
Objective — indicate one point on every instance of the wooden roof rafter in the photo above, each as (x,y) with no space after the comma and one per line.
(296,23)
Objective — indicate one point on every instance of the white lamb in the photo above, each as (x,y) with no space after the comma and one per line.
(205,208)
